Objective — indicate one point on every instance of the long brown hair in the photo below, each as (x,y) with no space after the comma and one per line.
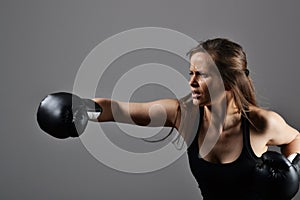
(231,62)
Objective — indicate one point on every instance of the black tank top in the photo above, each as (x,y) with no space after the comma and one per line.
(225,181)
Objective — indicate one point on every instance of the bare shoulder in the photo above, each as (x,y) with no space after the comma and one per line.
(271,125)
(263,119)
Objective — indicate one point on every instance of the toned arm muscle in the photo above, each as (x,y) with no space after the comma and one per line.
(282,134)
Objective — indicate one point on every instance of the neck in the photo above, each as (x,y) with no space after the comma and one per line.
(223,114)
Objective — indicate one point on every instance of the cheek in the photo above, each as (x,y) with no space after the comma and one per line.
(210,88)
(214,83)
(204,86)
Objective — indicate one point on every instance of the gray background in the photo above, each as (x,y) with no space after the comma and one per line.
(43,44)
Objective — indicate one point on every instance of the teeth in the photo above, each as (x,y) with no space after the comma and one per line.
(196,95)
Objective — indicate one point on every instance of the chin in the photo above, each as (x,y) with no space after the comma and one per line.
(196,102)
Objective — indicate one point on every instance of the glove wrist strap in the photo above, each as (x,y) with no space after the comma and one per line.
(292,157)
(93,109)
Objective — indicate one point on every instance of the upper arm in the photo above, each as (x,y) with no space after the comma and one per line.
(278,131)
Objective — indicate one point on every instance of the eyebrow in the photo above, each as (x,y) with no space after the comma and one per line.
(198,72)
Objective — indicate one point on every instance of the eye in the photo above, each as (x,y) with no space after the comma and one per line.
(198,74)
(204,75)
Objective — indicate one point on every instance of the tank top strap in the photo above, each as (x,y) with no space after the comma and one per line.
(201,109)
(194,145)
(246,136)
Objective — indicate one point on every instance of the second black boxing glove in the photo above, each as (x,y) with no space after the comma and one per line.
(275,177)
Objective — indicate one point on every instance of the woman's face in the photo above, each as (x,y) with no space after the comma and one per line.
(204,81)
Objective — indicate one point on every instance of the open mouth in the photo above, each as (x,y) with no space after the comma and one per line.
(196,94)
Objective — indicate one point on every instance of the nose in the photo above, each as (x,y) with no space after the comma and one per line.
(193,81)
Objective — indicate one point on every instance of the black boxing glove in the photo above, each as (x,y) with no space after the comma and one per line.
(275,177)
(64,115)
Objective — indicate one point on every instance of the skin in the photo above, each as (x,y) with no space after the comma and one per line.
(267,127)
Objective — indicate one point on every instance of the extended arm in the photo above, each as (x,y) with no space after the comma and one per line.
(156,113)
(64,115)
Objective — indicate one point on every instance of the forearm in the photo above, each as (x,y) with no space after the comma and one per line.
(123,112)
(156,113)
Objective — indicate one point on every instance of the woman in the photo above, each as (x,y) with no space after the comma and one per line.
(232,132)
